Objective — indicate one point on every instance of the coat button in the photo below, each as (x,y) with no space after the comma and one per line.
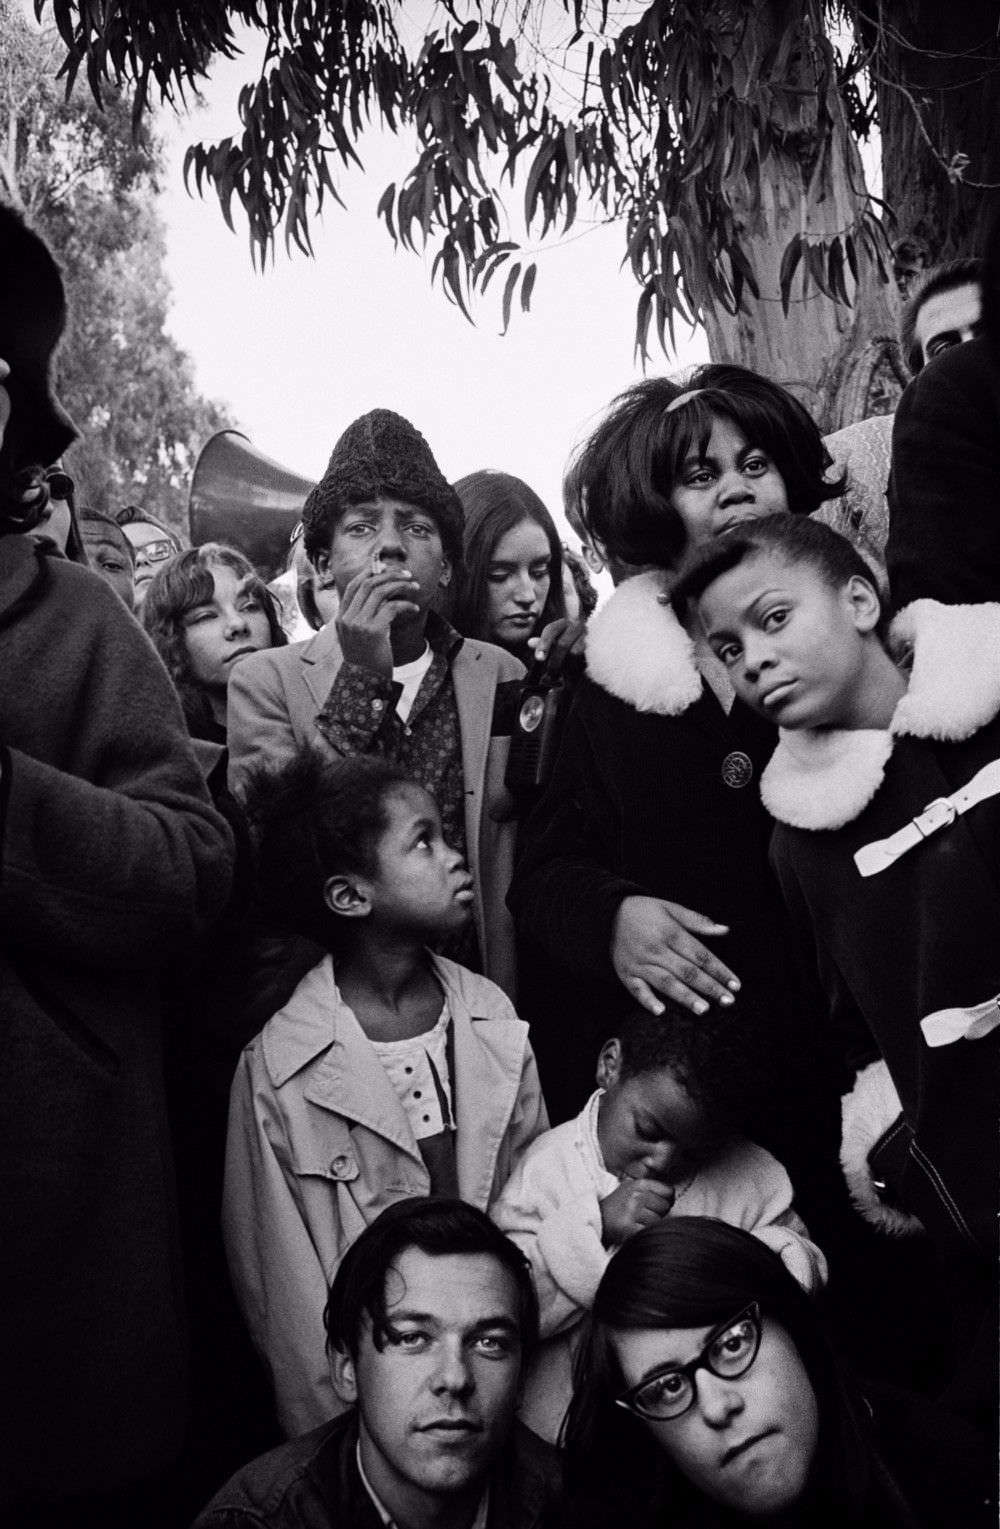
(376,706)
(737,770)
(339,1165)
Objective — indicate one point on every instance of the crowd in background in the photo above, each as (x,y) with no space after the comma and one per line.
(644,948)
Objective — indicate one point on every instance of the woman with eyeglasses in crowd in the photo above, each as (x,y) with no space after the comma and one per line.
(153,543)
(707,1395)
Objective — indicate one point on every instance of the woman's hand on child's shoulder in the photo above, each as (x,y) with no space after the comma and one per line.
(636,1203)
(655,949)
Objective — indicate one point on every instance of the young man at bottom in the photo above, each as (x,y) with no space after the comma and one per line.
(430,1318)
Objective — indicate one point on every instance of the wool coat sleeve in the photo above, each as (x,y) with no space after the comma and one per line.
(110,849)
(260,728)
(943,540)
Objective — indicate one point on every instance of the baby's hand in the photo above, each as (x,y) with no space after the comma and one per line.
(634,1204)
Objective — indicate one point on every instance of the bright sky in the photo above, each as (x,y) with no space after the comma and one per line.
(300,351)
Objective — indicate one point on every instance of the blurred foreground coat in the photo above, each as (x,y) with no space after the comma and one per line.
(112,860)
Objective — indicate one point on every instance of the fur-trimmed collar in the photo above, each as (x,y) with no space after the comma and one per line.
(819,779)
(638,651)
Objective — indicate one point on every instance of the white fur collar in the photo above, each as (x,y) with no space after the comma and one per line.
(638,650)
(825,779)
(955,681)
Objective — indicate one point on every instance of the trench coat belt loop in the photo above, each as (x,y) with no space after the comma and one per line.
(940,813)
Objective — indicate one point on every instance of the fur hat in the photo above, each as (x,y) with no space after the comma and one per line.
(32,317)
(382,456)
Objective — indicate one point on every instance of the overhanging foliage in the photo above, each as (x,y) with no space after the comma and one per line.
(665,116)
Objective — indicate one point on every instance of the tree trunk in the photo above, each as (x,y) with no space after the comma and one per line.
(841,359)
(937,71)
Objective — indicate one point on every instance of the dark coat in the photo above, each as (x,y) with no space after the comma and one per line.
(655,793)
(944,530)
(916,938)
(314,1483)
(112,860)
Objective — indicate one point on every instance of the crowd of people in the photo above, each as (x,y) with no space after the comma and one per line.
(395,1136)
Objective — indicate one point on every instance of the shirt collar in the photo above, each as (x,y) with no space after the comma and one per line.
(479,1522)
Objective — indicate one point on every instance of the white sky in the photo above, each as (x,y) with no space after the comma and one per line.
(300,351)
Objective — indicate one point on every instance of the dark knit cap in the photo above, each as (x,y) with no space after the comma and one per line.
(382,456)
(32,316)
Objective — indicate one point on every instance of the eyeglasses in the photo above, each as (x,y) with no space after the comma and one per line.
(155,552)
(728,1353)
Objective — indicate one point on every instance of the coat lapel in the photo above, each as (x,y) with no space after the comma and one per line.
(488,1060)
(319,661)
(349,1079)
(475,722)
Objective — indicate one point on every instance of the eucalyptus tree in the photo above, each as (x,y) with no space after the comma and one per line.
(724,136)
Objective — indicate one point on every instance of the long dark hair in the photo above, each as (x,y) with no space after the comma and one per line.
(494,503)
(627,470)
(692,1272)
(178,587)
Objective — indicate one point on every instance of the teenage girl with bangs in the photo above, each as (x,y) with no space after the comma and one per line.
(644,865)
(205,610)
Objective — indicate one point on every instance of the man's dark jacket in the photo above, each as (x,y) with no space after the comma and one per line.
(313,1482)
(944,529)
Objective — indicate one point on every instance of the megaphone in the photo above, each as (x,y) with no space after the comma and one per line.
(240,496)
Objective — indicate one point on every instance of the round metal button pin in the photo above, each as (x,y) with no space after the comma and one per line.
(737,770)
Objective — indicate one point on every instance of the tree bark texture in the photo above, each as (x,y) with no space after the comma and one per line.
(937,70)
(841,360)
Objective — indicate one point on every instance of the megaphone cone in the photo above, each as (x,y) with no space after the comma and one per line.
(240,496)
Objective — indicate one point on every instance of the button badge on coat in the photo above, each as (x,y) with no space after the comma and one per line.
(737,770)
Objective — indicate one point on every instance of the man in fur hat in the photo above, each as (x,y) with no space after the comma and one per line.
(390,676)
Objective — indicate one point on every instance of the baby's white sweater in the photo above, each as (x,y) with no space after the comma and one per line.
(551,1207)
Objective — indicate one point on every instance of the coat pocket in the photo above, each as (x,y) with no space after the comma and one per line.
(66,1020)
